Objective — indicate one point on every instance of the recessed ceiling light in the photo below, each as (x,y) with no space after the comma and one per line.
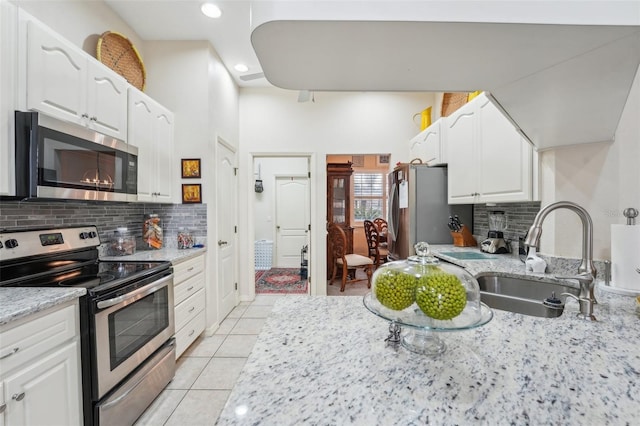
(241,68)
(211,10)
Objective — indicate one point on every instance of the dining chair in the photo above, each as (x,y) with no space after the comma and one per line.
(383,227)
(376,251)
(346,261)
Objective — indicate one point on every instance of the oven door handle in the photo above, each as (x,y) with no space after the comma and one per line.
(141,292)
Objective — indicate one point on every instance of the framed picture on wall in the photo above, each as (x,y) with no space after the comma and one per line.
(190,168)
(191,193)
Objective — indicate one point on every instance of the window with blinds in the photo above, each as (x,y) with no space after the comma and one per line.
(369,196)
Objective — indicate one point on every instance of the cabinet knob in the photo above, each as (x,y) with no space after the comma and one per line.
(85,115)
(2,408)
(94,118)
(18,396)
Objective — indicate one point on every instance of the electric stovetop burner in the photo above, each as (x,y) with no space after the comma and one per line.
(94,276)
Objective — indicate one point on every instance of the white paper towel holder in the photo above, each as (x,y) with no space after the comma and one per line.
(630,213)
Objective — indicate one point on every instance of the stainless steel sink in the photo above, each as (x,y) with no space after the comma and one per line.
(522,295)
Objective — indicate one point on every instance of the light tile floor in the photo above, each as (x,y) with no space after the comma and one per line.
(208,370)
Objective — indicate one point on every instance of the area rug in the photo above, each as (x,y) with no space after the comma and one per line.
(281,280)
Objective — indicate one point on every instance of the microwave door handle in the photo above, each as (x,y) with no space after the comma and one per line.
(141,292)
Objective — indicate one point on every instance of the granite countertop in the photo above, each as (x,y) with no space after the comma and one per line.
(323,360)
(502,264)
(18,302)
(173,255)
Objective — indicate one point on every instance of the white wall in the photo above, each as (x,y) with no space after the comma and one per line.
(264,206)
(188,78)
(604,178)
(272,122)
(81,22)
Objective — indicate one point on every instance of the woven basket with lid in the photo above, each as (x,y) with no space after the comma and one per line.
(118,53)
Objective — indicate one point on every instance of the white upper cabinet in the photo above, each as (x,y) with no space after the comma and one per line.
(65,82)
(151,131)
(429,146)
(8,83)
(488,160)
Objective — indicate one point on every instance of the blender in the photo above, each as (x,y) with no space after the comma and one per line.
(495,243)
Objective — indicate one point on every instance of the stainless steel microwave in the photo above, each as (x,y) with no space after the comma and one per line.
(56,159)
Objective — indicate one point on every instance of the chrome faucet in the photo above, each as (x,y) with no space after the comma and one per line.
(586,271)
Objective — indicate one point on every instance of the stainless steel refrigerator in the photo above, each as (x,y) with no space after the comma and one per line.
(418,209)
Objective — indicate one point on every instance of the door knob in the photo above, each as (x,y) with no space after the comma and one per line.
(278,227)
(18,396)
(221,243)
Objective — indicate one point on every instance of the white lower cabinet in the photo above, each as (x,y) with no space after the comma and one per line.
(189,299)
(488,160)
(40,369)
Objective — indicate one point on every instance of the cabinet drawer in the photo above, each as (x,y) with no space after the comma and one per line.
(184,270)
(186,288)
(33,338)
(188,309)
(189,333)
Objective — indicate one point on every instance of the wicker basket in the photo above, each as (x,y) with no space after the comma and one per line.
(118,53)
(453,101)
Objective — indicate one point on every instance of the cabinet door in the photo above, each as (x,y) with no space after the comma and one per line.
(107,101)
(46,392)
(427,145)
(56,75)
(461,140)
(8,83)
(504,157)
(140,135)
(163,131)
(3,405)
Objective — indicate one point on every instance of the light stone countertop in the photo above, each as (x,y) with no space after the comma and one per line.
(172,255)
(18,302)
(323,361)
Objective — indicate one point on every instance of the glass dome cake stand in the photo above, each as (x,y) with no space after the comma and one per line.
(418,333)
(405,291)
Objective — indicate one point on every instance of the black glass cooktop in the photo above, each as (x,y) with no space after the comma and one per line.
(89,276)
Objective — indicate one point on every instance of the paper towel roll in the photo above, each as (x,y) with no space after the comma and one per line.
(625,256)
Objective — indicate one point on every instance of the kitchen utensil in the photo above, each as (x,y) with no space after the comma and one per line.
(495,242)
(457,222)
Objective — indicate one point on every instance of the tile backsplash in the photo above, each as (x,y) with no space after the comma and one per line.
(520,216)
(107,217)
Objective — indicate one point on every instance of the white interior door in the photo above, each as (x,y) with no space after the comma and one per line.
(292,220)
(226,202)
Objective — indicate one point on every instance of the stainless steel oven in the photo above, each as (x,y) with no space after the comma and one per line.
(126,317)
(130,327)
(56,159)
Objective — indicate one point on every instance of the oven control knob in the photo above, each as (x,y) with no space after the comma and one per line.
(93,234)
(11,243)
(84,235)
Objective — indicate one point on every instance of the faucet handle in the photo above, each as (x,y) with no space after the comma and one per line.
(583,278)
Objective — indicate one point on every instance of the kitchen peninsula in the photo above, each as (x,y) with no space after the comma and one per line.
(323,360)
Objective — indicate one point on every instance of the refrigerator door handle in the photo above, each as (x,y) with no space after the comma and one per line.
(393,213)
